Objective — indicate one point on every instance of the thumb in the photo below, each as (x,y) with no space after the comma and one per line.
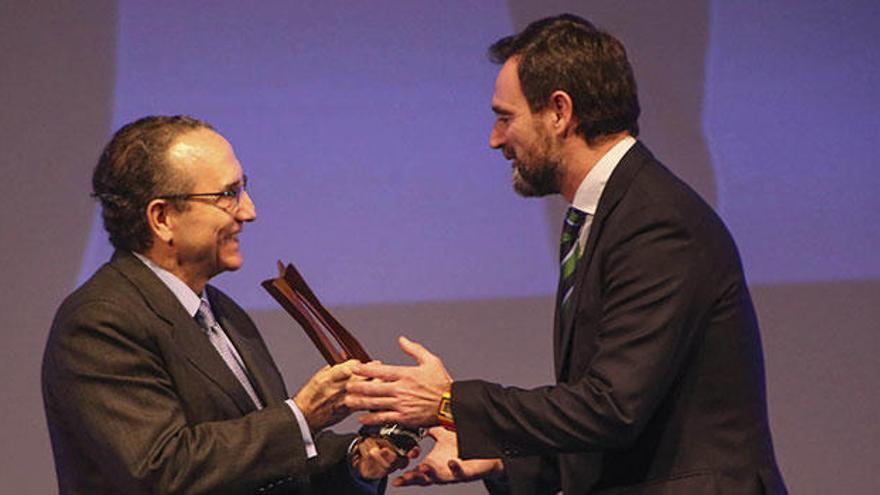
(415,350)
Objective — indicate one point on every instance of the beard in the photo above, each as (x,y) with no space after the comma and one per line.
(536,172)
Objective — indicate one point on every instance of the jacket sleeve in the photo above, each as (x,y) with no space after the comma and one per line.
(654,293)
(532,475)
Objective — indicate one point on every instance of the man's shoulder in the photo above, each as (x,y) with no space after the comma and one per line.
(107,307)
(111,293)
(649,194)
(654,180)
(645,184)
(106,284)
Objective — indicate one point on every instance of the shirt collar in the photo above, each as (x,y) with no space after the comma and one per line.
(586,198)
(187,297)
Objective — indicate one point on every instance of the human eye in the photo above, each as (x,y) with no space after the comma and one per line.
(233,194)
(234,190)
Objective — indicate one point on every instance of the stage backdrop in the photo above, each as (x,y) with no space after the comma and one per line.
(363,127)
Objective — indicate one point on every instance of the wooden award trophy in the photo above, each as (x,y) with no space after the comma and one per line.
(295,296)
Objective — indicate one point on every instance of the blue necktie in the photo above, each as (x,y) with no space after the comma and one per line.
(227,351)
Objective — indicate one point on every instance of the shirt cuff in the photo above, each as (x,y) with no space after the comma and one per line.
(311,450)
(368,486)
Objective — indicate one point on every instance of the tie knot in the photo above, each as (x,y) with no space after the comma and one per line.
(204,316)
(574,220)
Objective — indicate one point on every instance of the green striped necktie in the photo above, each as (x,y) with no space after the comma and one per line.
(569,251)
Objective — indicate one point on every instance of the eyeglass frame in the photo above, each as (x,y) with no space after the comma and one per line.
(234,195)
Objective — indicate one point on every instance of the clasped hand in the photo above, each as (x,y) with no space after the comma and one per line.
(322,399)
(376,457)
(322,402)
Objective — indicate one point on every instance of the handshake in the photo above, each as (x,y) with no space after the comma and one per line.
(409,396)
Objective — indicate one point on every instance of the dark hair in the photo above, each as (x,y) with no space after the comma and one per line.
(569,54)
(133,170)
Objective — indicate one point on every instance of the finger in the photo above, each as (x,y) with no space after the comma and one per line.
(411,478)
(388,456)
(370,389)
(383,442)
(435,475)
(427,470)
(456,468)
(401,462)
(376,454)
(415,350)
(344,370)
(358,378)
(395,462)
(379,457)
(361,403)
(413,452)
(380,418)
(375,404)
(384,372)
(433,432)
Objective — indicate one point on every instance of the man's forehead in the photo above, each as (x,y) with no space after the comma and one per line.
(508,92)
(205,153)
(198,144)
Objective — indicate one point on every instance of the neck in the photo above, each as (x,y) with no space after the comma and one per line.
(579,157)
(161,254)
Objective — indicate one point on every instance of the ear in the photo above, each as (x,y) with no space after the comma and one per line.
(160,217)
(562,113)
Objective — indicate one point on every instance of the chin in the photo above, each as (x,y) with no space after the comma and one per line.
(525,189)
(230,263)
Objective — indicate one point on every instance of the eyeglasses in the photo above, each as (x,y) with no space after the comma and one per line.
(229,199)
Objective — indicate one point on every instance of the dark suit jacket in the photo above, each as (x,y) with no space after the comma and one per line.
(660,379)
(139,401)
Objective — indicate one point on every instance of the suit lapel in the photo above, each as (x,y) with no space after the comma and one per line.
(260,367)
(616,187)
(189,337)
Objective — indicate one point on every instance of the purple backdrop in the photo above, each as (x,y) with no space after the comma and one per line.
(364,129)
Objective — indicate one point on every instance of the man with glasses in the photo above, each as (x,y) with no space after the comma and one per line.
(155,381)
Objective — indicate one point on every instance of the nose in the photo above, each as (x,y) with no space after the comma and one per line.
(247,210)
(496,137)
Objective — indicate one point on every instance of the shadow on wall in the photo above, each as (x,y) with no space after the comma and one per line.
(56,84)
(820,344)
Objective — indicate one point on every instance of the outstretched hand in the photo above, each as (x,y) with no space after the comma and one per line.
(442,465)
(407,395)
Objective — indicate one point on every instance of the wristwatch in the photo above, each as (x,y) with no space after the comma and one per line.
(444,412)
